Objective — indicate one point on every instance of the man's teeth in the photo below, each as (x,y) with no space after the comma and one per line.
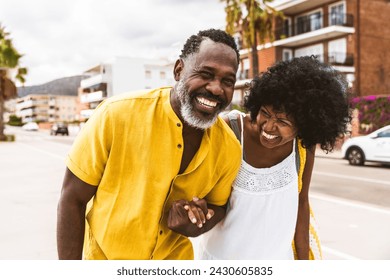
(268,136)
(206,102)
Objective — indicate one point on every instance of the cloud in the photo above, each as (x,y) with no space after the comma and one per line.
(66,37)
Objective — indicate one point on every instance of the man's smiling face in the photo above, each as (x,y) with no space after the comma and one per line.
(206,84)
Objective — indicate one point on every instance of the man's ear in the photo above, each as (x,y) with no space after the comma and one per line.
(177,70)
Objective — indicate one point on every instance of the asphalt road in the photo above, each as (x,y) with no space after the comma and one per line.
(351,204)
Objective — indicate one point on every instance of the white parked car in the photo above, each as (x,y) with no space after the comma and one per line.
(31,126)
(373,147)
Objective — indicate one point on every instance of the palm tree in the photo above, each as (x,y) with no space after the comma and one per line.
(9,60)
(254,19)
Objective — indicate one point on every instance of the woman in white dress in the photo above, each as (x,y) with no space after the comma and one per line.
(294,106)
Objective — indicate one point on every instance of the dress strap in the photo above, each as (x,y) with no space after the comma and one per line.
(232,115)
(297,157)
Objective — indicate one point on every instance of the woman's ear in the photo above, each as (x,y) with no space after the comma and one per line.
(179,66)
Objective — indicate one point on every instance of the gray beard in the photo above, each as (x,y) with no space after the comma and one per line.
(187,109)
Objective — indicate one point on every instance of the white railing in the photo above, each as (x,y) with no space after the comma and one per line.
(94,80)
(92,97)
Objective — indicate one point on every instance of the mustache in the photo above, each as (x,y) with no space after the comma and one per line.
(210,96)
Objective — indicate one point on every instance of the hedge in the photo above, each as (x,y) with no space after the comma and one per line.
(374,112)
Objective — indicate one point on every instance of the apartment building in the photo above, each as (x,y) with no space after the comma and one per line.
(46,108)
(62,108)
(351,35)
(119,75)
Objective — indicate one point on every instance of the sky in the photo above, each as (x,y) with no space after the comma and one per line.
(61,38)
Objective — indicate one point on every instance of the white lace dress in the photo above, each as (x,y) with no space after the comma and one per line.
(261,215)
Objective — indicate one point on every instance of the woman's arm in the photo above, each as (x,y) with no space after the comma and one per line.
(301,238)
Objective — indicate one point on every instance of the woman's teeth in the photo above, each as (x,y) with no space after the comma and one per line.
(268,136)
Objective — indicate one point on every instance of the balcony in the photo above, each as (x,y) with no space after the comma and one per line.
(51,111)
(93,97)
(93,80)
(340,59)
(25,113)
(289,7)
(312,29)
(86,113)
(24,104)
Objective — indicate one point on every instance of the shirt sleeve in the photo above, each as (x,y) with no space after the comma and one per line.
(220,193)
(89,153)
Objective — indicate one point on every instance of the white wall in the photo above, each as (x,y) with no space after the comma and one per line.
(128,74)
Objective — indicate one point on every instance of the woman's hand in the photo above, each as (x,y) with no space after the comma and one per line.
(189,217)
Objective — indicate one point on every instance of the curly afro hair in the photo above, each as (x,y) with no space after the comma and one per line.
(312,93)
(219,36)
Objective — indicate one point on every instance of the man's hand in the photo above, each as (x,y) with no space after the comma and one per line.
(192,218)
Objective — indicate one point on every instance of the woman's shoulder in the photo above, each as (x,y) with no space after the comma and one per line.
(235,113)
(232,115)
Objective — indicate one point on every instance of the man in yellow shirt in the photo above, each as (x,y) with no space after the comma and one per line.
(144,158)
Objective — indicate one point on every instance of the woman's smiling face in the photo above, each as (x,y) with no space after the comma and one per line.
(275,128)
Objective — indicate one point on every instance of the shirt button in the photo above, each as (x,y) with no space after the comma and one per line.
(179,146)
(178,124)
(161,232)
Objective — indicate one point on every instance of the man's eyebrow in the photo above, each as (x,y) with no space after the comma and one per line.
(210,68)
(205,67)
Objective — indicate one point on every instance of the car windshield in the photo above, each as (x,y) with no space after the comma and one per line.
(382,132)
(60,124)
(385,133)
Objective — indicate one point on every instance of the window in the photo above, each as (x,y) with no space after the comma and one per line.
(237,39)
(337,51)
(237,98)
(317,50)
(337,14)
(246,66)
(148,74)
(350,79)
(287,54)
(286,27)
(243,69)
(162,75)
(385,133)
(309,22)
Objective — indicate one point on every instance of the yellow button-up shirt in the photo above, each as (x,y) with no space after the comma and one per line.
(131,149)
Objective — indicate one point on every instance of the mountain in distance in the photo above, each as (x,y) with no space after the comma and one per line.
(62,86)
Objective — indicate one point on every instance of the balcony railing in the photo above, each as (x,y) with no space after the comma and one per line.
(93,80)
(337,58)
(93,97)
(313,22)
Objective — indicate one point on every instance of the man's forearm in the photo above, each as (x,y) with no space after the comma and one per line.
(70,230)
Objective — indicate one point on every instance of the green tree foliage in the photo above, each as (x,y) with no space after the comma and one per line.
(9,60)
(15,120)
(254,20)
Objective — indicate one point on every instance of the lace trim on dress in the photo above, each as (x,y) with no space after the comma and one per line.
(266,180)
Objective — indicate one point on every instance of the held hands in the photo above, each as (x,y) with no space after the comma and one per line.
(189,217)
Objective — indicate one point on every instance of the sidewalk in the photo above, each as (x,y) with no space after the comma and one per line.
(335,154)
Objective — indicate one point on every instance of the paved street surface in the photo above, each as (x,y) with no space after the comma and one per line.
(352,204)
(30,182)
